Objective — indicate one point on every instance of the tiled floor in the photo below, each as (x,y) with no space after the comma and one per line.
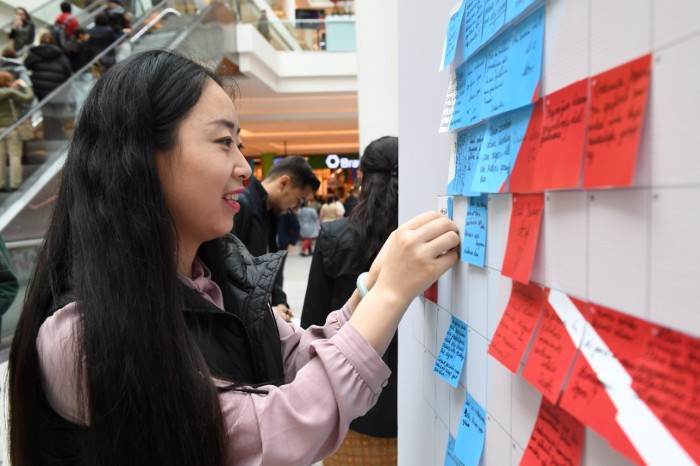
(296,273)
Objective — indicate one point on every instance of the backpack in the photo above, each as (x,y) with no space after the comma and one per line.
(58,31)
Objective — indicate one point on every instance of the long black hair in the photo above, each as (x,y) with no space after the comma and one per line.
(111,245)
(376,214)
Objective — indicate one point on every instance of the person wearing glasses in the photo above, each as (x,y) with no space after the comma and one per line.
(289,182)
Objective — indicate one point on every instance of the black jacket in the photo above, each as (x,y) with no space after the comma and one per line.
(257,228)
(332,280)
(49,66)
(240,344)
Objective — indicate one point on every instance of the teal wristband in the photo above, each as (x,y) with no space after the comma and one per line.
(362,284)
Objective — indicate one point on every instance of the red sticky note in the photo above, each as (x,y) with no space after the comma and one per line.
(517,326)
(585,396)
(524,230)
(667,378)
(523,173)
(432,293)
(552,353)
(562,138)
(557,438)
(617,107)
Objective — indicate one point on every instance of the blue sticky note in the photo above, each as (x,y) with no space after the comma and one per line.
(450,455)
(474,82)
(494,18)
(501,144)
(516,7)
(453,352)
(525,60)
(474,12)
(453,28)
(474,241)
(471,433)
(458,121)
(467,155)
(496,96)
(445,206)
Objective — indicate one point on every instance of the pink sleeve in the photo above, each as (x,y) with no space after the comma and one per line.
(306,420)
(56,346)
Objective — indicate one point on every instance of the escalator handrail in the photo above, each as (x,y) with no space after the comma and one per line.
(64,86)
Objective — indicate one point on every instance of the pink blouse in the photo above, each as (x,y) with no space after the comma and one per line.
(337,376)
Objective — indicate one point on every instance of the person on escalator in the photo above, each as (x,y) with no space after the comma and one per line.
(22,32)
(12,93)
(102,35)
(80,55)
(49,65)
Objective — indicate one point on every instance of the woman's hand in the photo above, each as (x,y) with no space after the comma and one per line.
(414,256)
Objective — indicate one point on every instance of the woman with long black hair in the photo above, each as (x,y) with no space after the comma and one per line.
(146,336)
(345,248)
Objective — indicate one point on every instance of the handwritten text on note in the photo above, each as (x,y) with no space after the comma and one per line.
(474,241)
(471,433)
(557,438)
(453,352)
(523,234)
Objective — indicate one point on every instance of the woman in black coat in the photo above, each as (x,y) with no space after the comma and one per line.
(49,65)
(22,33)
(344,249)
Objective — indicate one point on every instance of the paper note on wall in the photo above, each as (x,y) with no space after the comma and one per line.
(667,378)
(453,352)
(451,458)
(473,26)
(468,97)
(453,27)
(522,175)
(613,339)
(617,108)
(504,135)
(557,438)
(515,7)
(449,106)
(517,325)
(474,241)
(523,233)
(562,138)
(494,18)
(468,148)
(471,434)
(555,345)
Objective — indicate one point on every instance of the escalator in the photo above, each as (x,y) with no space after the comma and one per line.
(186,26)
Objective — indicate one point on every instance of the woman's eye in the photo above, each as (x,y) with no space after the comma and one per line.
(226,141)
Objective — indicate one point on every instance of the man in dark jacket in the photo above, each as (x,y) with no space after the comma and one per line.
(289,182)
(49,65)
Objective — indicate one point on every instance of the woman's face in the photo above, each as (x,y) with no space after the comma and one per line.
(203,175)
(20,13)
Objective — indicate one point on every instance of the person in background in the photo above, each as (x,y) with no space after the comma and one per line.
(80,55)
(22,32)
(289,181)
(146,336)
(101,37)
(67,20)
(287,231)
(316,202)
(308,228)
(119,18)
(264,25)
(13,92)
(49,65)
(10,63)
(350,201)
(344,249)
(8,281)
(329,210)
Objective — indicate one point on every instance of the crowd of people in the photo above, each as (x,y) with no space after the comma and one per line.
(40,61)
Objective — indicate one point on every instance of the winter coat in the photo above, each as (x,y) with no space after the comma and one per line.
(50,68)
(332,280)
(18,96)
(23,36)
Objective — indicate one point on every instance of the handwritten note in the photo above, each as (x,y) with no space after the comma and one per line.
(469,143)
(468,103)
(517,326)
(613,338)
(502,141)
(522,175)
(557,438)
(617,108)
(449,106)
(471,433)
(494,18)
(473,26)
(445,206)
(474,241)
(458,119)
(453,352)
(523,233)
(667,378)
(453,28)
(562,138)
(554,349)
(514,66)
(515,7)
(451,458)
